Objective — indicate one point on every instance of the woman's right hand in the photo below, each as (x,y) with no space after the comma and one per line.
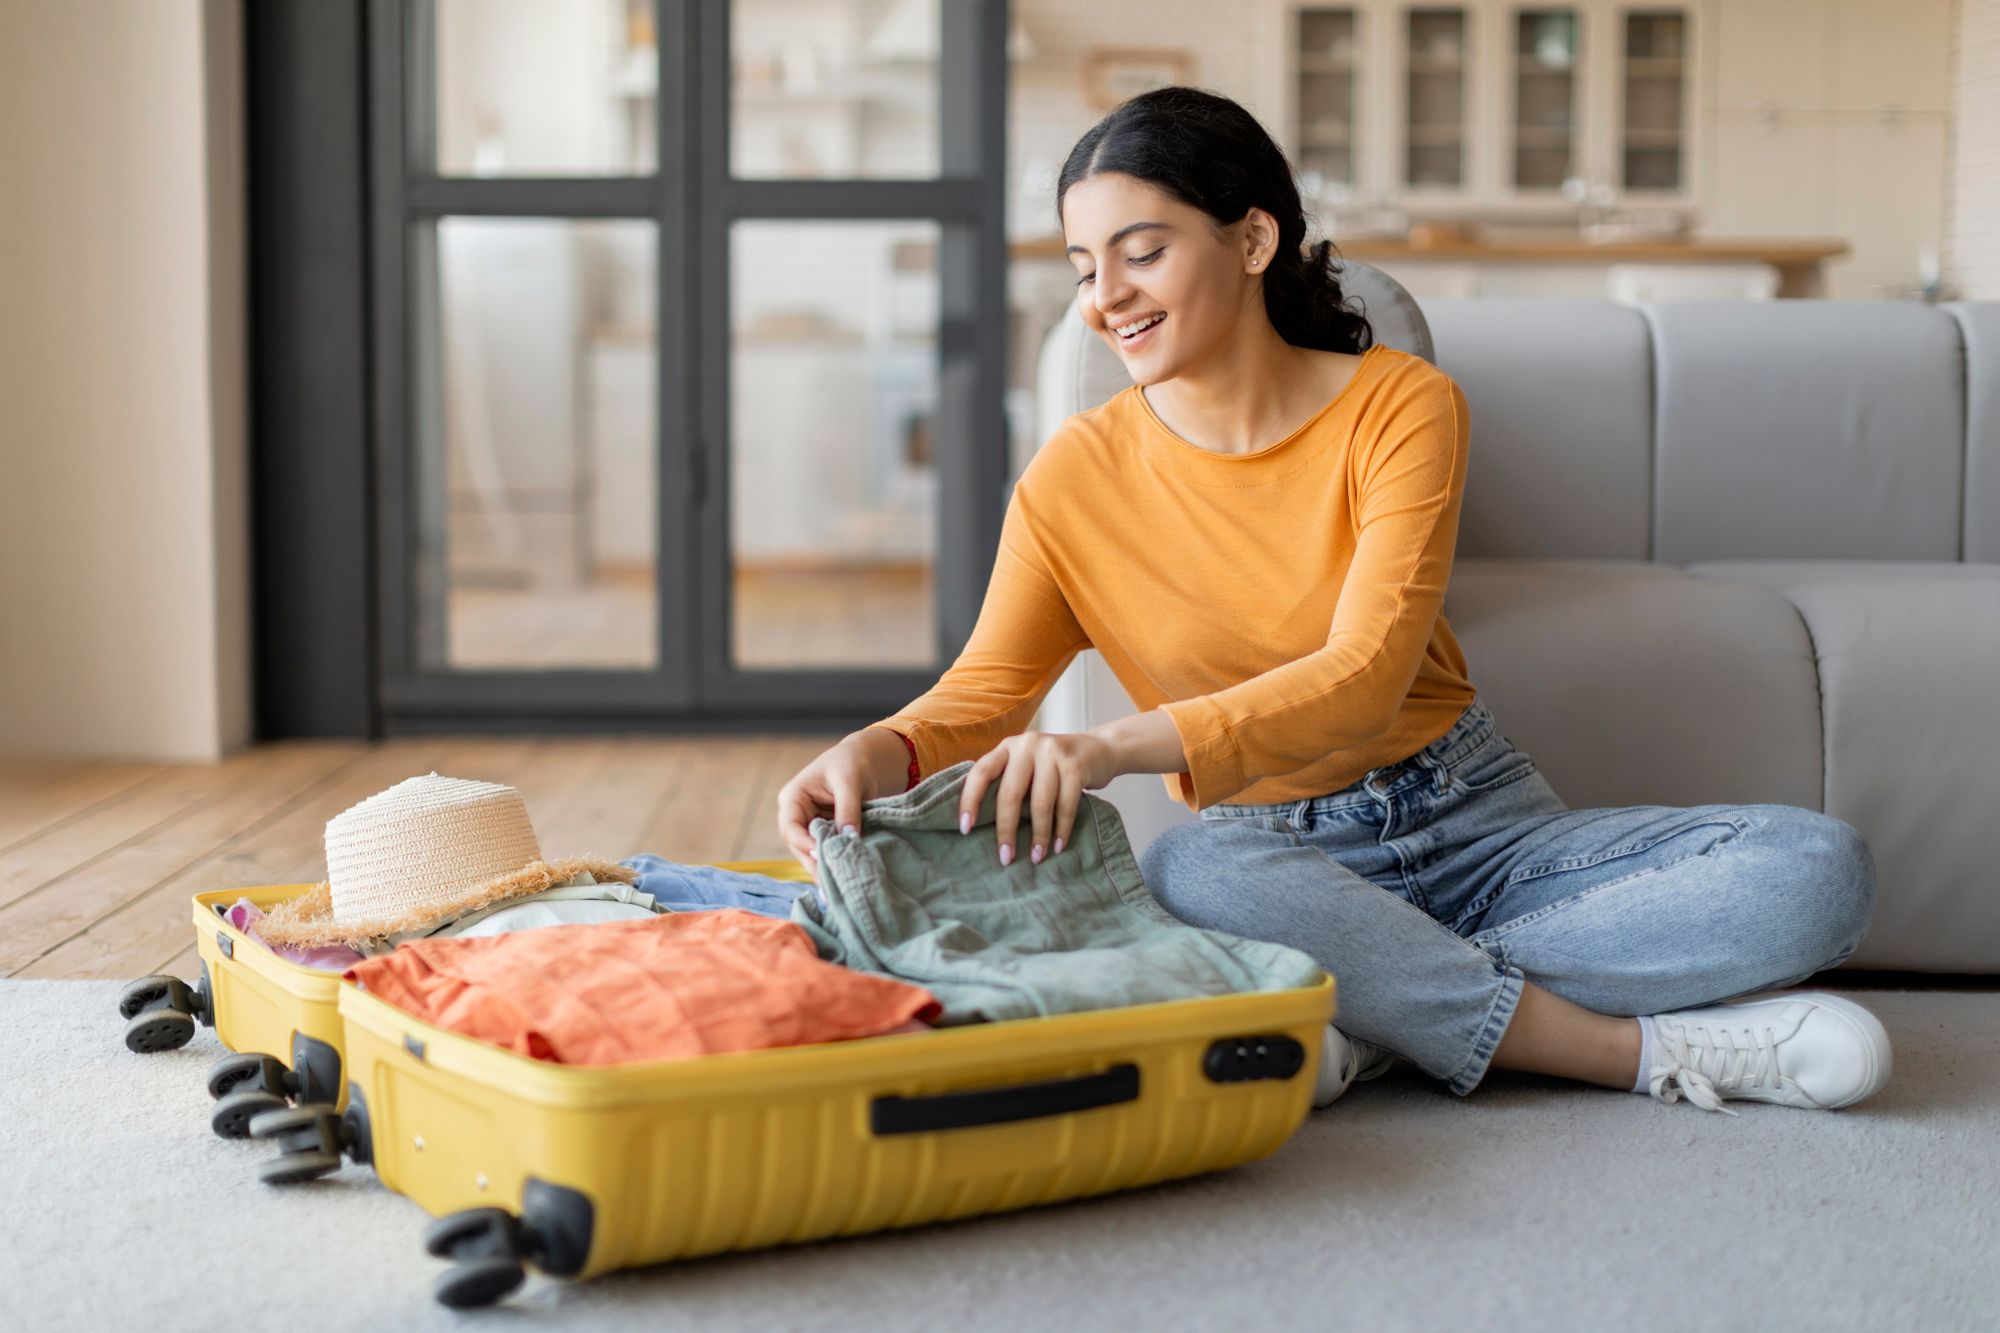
(835,785)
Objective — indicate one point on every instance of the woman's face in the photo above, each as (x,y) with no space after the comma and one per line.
(1144,258)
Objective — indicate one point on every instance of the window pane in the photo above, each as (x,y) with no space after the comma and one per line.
(535,88)
(1545,57)
(536,456)
(846,91)
(1326,56)
(833,488)
(1435,128)
(1655,52)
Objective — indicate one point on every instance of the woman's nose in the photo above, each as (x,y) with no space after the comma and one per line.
(1111,297)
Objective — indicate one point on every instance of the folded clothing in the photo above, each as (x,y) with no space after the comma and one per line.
(909,896)
(575,901)
(679,887)
(670,987)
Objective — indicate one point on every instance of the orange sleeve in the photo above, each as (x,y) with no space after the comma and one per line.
(1025,636)
(1411,482)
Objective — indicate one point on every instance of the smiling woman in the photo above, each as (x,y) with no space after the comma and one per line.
(1257,535)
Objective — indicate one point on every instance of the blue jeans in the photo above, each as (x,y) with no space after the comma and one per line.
(1434,889)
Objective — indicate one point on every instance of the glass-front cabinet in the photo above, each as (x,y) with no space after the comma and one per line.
(1489,106)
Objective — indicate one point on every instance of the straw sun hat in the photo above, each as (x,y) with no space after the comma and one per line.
(426,850)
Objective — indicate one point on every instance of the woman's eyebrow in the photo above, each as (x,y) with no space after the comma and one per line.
(1121,234)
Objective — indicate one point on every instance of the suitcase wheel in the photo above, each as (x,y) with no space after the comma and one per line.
(295,1167)
(160,1012)
(140,994)
(481,1282)
(225,1074)
(232,1115)
(310,1140)
(486,1246)
(158,1030)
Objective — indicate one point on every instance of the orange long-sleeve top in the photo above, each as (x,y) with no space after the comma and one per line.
(1282,607)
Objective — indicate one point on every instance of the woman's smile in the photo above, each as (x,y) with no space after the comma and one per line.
(1145,335)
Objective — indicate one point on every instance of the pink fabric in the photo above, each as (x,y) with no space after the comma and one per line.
(330,958)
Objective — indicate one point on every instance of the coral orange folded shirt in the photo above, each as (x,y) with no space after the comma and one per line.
(668,987)
(1281,607)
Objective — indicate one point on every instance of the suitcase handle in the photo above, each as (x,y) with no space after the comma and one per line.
(997,1106)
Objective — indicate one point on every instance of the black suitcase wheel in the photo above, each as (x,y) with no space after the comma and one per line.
(492,1226)
(486,1245)
(225,1074)
(232,1115)
(158,1030)
(310,1138)
(482,1282)
(139,994)
(160,1012)
(295,1167)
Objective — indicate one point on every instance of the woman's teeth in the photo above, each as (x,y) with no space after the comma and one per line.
(1138,327)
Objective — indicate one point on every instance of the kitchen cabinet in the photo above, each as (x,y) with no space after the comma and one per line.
(1493,107)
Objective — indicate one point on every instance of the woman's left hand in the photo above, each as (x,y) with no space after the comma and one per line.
(1049,771)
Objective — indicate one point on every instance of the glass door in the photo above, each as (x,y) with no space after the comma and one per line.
(685,404)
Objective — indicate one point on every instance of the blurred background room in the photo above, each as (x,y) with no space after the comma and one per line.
(396,368)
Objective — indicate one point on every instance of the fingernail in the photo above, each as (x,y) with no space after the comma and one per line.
(848,829)
(1059,847)
(1035,856)
(1006,854)
(965,821)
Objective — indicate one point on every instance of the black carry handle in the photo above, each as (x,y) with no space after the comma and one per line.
(997,1106)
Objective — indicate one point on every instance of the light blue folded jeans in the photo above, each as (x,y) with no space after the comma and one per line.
(1433,889)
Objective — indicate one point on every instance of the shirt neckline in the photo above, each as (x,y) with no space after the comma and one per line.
(1185,447)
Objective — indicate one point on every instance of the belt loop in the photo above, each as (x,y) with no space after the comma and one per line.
(1298,815)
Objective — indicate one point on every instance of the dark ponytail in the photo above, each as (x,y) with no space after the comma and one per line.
(1211,154)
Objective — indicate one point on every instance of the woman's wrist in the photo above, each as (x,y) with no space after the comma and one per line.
(889,758)
(1146,742)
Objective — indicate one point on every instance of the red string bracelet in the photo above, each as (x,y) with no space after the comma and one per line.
(911,746)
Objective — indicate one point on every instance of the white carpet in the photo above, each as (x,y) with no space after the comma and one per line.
(1533,1204)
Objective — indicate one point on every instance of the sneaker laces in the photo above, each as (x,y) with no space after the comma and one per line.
(1712,1066)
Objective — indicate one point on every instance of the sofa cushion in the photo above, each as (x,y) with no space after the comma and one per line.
(1638,684)
(1908,656)
(1979,326)
(1807,429)
(1560,394)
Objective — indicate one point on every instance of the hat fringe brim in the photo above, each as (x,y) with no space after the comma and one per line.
(306,922)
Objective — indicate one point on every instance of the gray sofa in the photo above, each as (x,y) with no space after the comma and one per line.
(1713,552)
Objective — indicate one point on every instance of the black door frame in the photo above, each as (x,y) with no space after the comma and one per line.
(339,183)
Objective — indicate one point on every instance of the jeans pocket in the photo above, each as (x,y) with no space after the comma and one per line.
(1495,763)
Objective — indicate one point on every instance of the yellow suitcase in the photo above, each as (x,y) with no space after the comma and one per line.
(578,1170)
(281,1019)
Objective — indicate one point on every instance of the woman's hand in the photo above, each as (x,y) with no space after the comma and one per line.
(1049,771)
(836,785)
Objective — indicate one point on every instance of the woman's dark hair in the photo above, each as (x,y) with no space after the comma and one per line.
(1211,154)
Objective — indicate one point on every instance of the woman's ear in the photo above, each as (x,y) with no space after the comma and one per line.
(1260,240)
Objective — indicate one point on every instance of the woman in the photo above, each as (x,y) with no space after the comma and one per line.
(1273,472)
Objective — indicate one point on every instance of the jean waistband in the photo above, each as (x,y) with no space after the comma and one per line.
(1471,731)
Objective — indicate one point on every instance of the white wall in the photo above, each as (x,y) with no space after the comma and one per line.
(1972,204)
(124,547)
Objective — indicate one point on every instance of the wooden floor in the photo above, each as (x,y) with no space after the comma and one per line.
(98,860)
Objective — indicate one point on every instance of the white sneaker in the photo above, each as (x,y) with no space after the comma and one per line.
(1345,1060)
(1807,1049)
